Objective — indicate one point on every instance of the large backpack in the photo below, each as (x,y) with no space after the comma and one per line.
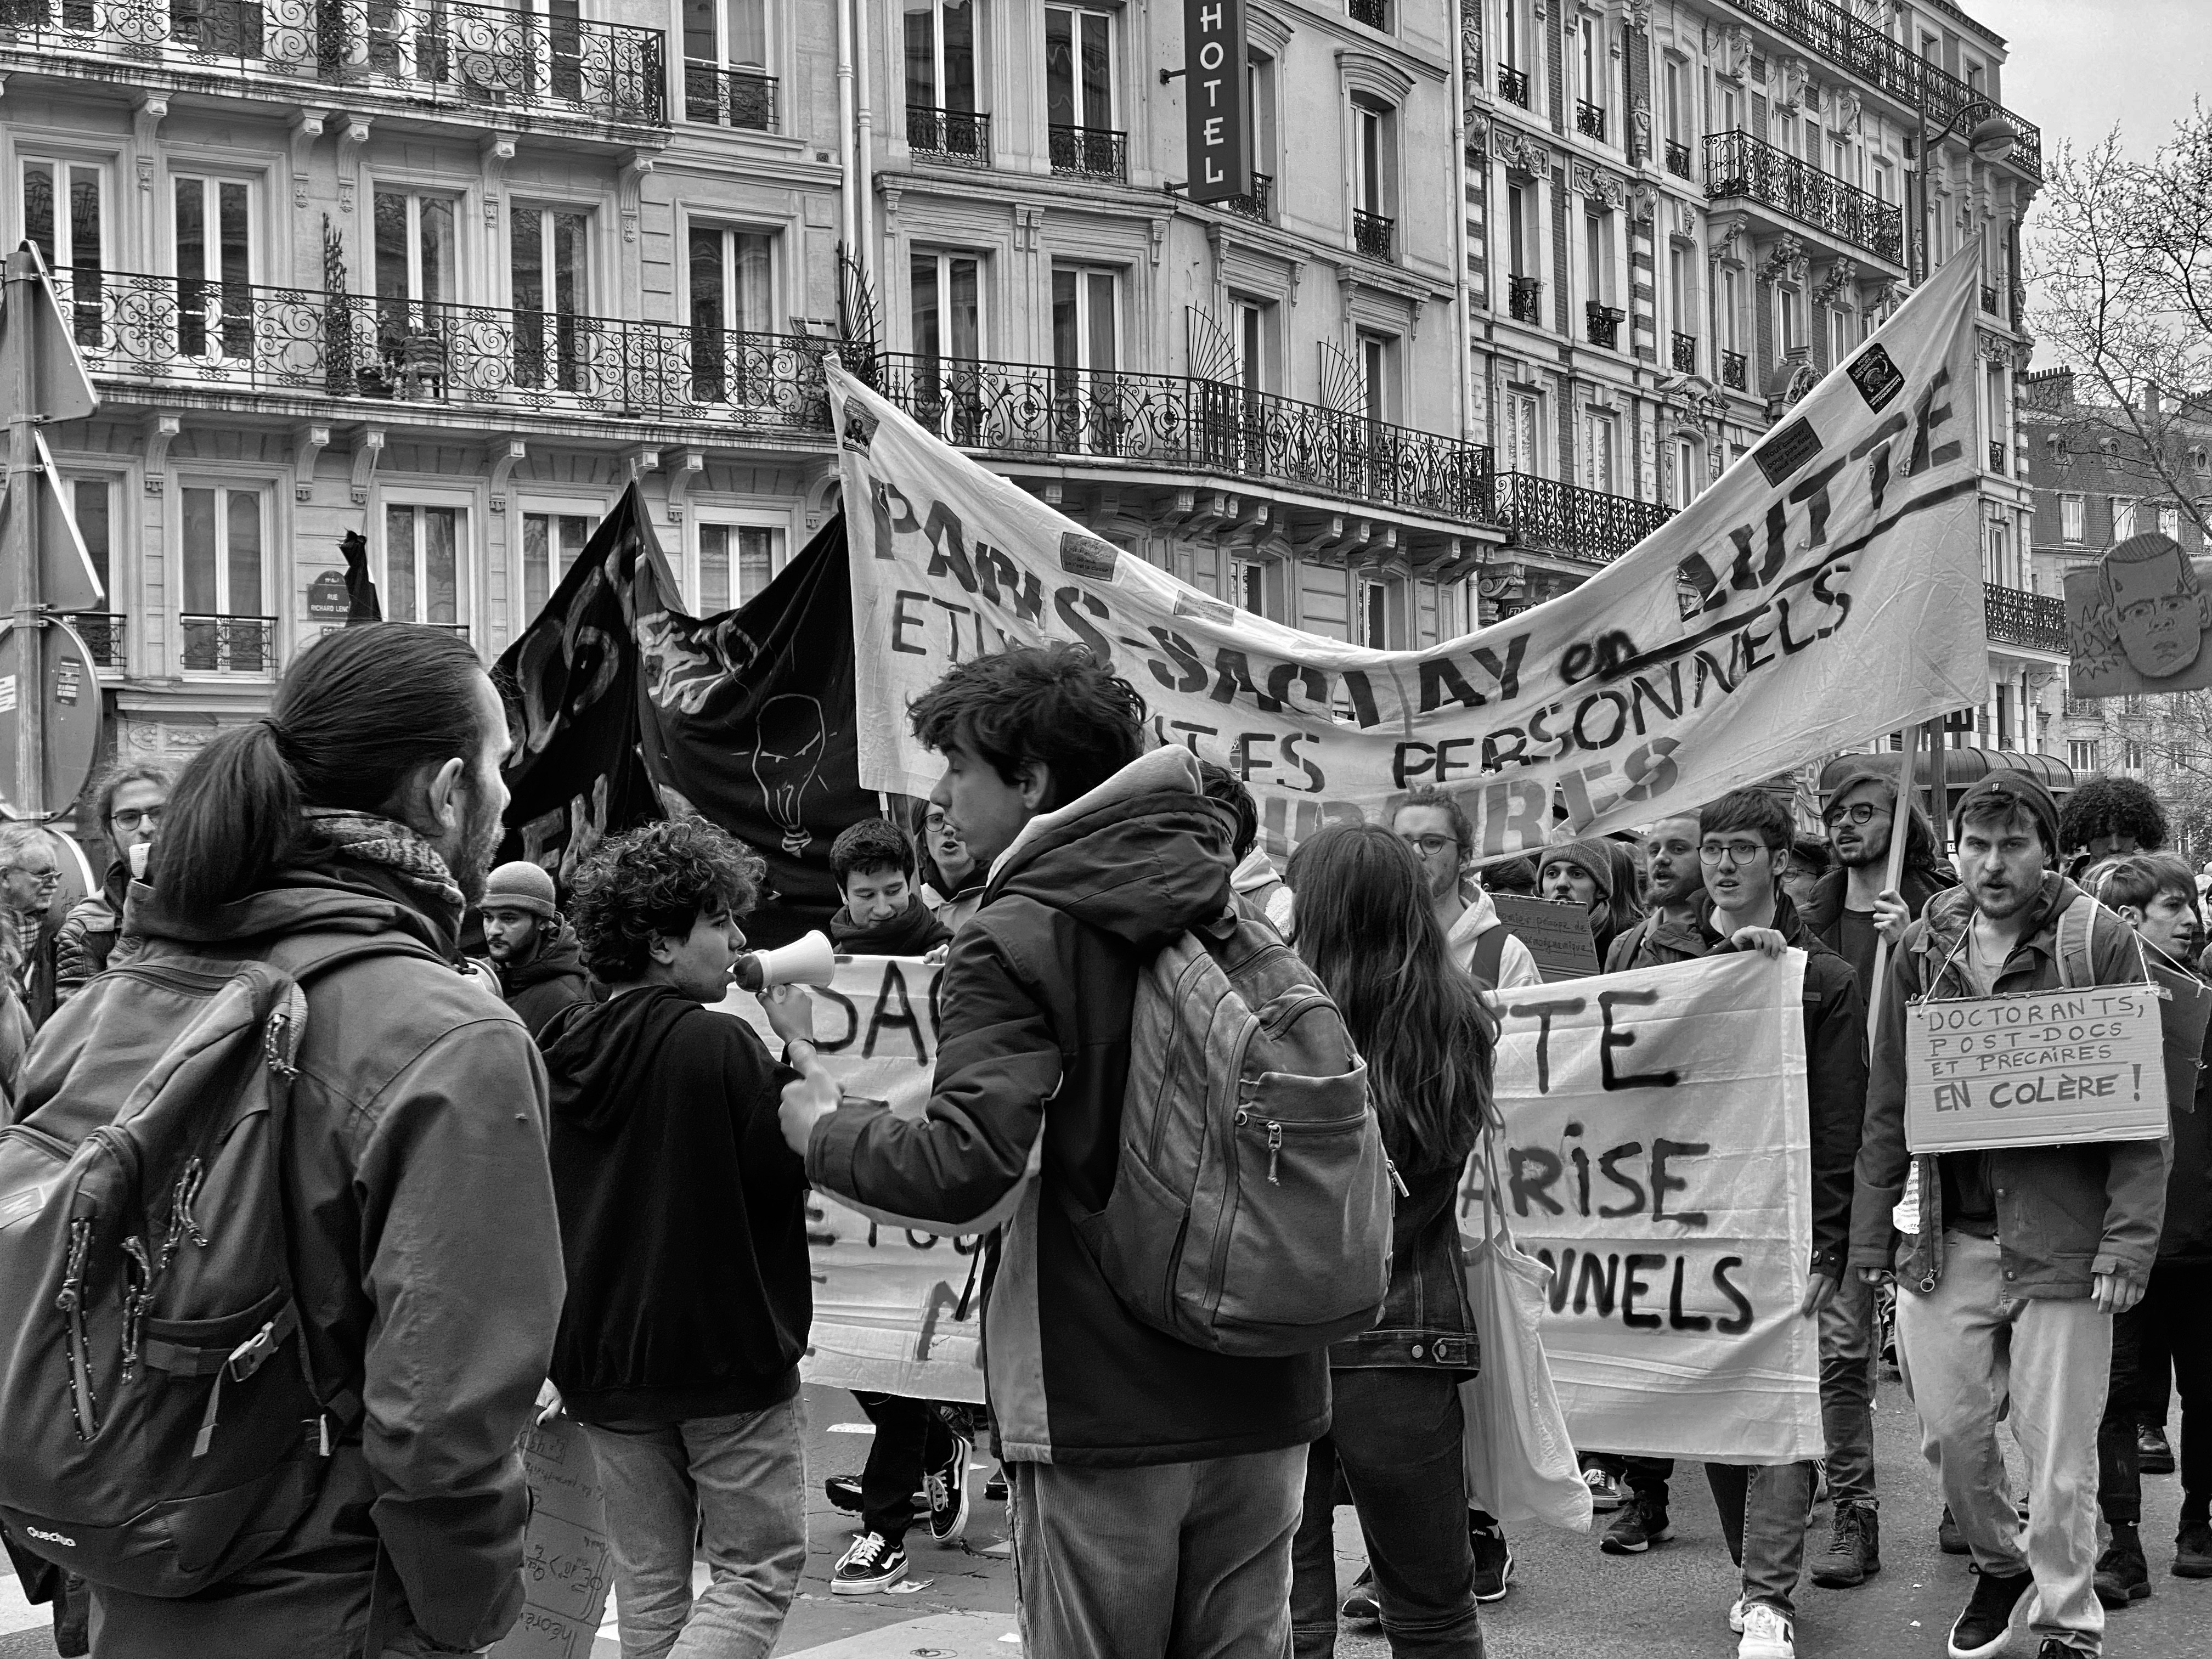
(165,1425)
(1251,1207)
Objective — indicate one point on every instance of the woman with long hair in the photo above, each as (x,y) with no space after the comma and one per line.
(1366,925)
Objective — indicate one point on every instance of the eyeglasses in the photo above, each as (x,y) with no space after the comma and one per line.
(1737,851)
(131,817)
(1859,811)
(1429,846)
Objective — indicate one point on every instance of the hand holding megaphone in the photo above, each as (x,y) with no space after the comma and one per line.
(807,960)
(812,1095)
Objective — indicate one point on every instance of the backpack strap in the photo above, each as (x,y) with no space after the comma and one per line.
(2074,923)
(1489,956)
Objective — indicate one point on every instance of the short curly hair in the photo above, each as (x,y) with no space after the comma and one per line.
(656,882)
(2108,805)
(871,844)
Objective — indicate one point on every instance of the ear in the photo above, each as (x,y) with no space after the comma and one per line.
(661,947)
(1034,781)
(441,794)
(1781,862)
(2132,914)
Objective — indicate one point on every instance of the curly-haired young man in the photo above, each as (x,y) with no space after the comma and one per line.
(683,1230)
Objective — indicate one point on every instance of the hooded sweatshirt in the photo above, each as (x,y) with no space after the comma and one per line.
(682,1213)
(554,977)
(1517,964)
(1034,1054)
(914,932)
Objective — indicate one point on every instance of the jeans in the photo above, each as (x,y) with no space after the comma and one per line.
(910,1437)
(1763,1509)
(1172,1561)
(1847,1391)
(1396,1436)
(743,1477)
(1644,1476)
(1966,1346)
(2166,1332)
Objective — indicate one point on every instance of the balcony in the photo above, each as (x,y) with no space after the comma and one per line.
(1886,64)
(948,135)
(1604,323)
(740,98)
(1184,424)
(103,633)
(1571,522)
(1589,119)
(1090,153)
(1513,85)
(1376,13)
(1258,203)
(1733,367)
(1371,232)
(1678,158)
(1739,165)
(469,58)
(1686,353)
(2014,616)
(1525,299)
(184,333)
(229,645)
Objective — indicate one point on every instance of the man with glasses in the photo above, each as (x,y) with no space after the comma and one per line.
(29,879)
(1438,830)
(127,805)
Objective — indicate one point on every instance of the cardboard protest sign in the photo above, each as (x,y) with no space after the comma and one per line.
(887,1297)
(1825,590)
(1656,1157)
(2136,620)
(1558,934)
(567,1565)
(2040,1068)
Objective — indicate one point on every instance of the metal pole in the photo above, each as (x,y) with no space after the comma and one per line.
(27,497)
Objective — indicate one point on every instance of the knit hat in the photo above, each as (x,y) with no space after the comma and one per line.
(1594,858)
(521,886)
(2016,789)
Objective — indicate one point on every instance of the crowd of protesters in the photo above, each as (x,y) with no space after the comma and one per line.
(554,1182)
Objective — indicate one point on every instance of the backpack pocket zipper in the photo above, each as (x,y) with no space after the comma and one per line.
(71,1301)
(1276,1128)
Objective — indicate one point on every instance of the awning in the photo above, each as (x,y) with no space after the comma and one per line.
(1964,767)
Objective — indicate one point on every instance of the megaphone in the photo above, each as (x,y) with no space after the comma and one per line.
(807,960)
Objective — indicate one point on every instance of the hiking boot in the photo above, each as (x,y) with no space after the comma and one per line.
(946,1488)
(1766,1633)
(1360,1606)
(2192,1551)
(2122,1576)
(1607,1493)
(1948,1537)
(1981,1629)
(873,1563)
(843,1490)
(1493,1560)
(1639,1525)
(2154,1455)
(1854,1548)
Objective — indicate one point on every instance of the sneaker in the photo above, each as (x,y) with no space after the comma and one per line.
(2122,1576)
(1854,1549)
(1493,1561)
(1360,1607)
(1735,1615)
(1766,1634)
(2192,1551)
(995,1489)
(946,1488)
(1948,1537)
(844,1491)
(2154,1455)
(1982,1628)
(873,1563)
(1640,1525)
(1607,1493)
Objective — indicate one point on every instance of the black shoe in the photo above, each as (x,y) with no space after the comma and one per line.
(995,1489)
(2154,1455)
(946,1488)
(1641,1523)
(1854,1549)
(844,1491)
(1493,1560)
(2053,1648)
(873,1563)
(1981,1629)
(1360,1606)
(1948,1537)
(2122,1576)
(2192,1551)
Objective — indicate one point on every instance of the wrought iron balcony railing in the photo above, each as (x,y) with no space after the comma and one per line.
(481,58)
(1891,65)
(1737,164)
(1604,322)
(1678,158)
(2014,616)
(948,135)
(1089,152)
(1686,353)
(1525,298)
(103,633)
(740,98)
(1513,85)
(229,644)
(1735,371)
(1371,232)
(1572,522)
(1589,119)
(1186,424)
(183,333)
(1258,203)
(1376,13)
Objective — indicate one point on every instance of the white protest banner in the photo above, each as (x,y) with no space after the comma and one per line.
(1656,1156)
(1825,590)
(886,1298)
(567,1564)
(2045,1068)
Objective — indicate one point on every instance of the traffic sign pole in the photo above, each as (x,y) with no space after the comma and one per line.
(26,498)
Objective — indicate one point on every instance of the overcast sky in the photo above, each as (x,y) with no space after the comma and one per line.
(2077,67)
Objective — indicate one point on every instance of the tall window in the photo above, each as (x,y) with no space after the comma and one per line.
(1247,585)
(736,562)
(2123,517)
(1520,240)
(222,534)
(1685,476)
(1372,617)
(940,55)
(1377,369)
(2072,520)
(1524,422)
(1370,159)
(415,259)
(89,501)
(1078,68)
(732,33)
(1252,319)
(213,221)
(1599,243)
(1681,301)
(1676,112)
(424,548)
(2169,521)
(1589,59)
(1085,353)
(1788,318)
(1730,309)
(728,287)
(1602,452)
(550,544)
(549,260)
(1843,335)
(65,216)
(947,293)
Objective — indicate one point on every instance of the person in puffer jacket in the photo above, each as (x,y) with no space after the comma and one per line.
(128,804)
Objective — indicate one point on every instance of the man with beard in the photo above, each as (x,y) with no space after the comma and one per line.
(540,966)
(2013,1262)
(1849,912)
(1669,932)
(362,811)
(1437,828)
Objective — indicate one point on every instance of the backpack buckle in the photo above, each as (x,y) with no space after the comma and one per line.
(249,1356)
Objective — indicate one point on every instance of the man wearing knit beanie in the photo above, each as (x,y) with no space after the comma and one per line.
(541,968)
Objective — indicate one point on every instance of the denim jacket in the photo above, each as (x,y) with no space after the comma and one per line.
(1427,1320)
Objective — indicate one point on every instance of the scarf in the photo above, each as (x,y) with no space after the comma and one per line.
(416,864)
